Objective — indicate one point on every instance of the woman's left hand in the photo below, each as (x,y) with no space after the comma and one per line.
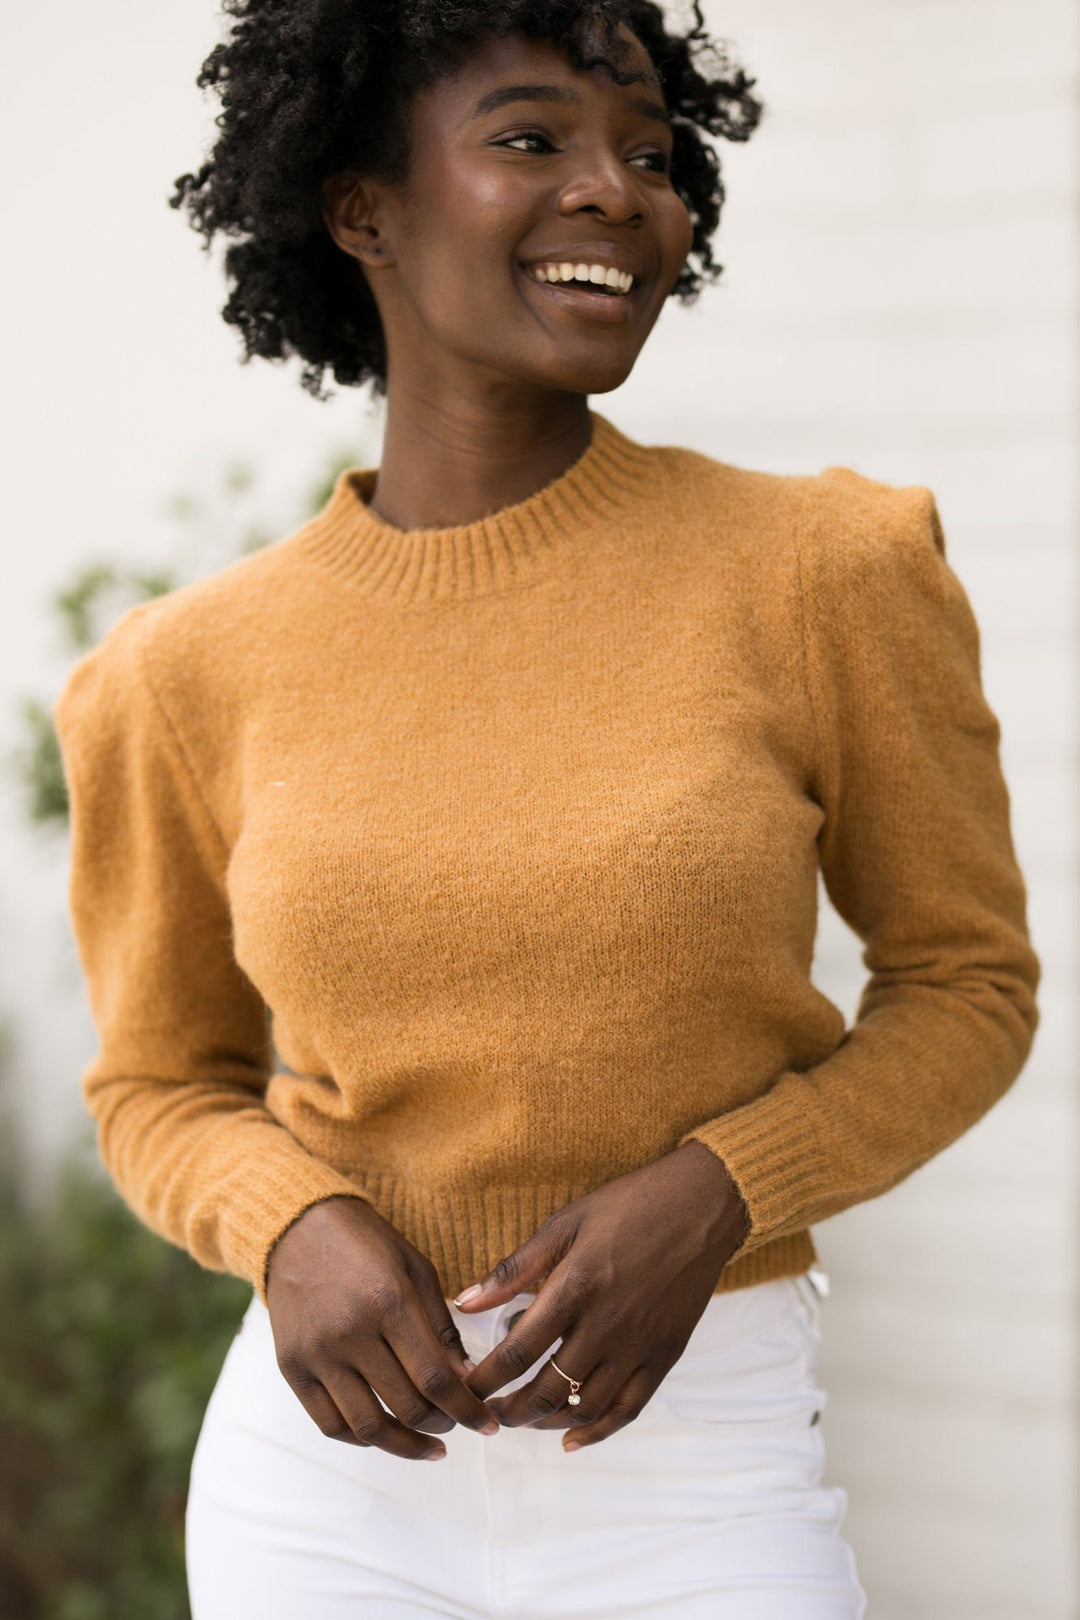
(628,1270)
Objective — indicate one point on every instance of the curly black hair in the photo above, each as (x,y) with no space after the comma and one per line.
(312,87)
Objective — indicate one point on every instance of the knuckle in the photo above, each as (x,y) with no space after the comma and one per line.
(617,1417)
(333,1339)
(386,1303)
(428,1270)
(435,1382)
(666,1358)
(505,1271)
(628,1411)
(325,1351)
(333,1425)
(368,1429)
(582,1415)
(513,1359)
(667,1350)
(543,1404)
(449,1337)
(575,1287)
(413,1413)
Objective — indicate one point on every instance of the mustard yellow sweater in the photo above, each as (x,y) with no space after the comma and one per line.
(464,870)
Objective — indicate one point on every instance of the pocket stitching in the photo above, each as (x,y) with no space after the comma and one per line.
(802,1331)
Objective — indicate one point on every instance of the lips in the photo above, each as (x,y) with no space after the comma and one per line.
(597,279)
(592,303)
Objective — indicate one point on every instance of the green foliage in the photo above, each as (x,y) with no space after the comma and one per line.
(40,766)
(80,602)
(111,1343)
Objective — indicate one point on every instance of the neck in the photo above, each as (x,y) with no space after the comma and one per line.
(455,461)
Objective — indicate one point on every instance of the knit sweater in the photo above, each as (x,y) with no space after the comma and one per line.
(463,870)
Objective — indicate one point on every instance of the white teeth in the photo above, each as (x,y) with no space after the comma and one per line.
(598,275)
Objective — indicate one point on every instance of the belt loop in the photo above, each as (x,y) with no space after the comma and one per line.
(819,1279)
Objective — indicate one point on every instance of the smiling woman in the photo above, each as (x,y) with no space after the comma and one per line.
(503,785)
(547,163)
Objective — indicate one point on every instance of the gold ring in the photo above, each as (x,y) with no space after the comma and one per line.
(574,1398)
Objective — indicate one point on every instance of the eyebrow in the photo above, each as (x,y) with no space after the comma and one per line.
(554,92)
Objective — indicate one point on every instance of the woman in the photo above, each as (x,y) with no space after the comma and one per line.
(503,784)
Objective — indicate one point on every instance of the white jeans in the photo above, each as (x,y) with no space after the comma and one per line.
(709,1506)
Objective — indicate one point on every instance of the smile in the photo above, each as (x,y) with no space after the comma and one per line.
(606,278)
(581,291)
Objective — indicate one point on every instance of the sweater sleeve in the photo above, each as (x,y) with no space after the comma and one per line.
(917,856)
(178,1082)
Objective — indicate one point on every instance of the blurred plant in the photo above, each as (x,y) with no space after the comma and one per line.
(111,1339)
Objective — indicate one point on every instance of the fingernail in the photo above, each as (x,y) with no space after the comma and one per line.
(571,1445)
(433,1456)
(469,1293)
(470,1363)
(489,1428)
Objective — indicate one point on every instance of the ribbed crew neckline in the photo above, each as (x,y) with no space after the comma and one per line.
(507,549)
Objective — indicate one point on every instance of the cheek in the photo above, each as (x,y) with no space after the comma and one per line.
(454,280)
(461,230)
(678,233)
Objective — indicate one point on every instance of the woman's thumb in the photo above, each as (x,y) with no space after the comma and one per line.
(528,1264)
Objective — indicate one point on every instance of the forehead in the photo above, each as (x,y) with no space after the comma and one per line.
(490,63)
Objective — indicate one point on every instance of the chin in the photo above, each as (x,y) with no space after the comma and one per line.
(590,377)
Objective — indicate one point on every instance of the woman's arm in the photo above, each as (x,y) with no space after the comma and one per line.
(917,856)
(178,1082)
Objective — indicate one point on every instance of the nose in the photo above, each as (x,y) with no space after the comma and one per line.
(603,185)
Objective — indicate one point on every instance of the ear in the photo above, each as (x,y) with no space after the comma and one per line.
(351,212)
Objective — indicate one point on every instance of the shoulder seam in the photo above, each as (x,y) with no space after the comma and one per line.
(143,657)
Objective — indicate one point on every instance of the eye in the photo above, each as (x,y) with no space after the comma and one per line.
(656,162)
(525,135)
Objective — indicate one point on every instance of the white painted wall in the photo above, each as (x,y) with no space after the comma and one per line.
(900,295)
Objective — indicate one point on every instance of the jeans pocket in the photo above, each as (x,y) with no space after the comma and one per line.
(763,1379)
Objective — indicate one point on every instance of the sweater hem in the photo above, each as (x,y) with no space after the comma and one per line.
(465,1234)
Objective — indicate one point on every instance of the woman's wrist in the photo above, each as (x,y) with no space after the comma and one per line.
(723,1201)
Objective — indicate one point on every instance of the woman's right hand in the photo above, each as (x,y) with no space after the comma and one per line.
(358,1313)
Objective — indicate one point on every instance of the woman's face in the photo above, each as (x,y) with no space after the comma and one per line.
(521,166)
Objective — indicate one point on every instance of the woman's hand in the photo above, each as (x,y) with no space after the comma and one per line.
(357,1312)
(629,1269)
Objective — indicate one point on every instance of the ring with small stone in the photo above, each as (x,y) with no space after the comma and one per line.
(574,1398)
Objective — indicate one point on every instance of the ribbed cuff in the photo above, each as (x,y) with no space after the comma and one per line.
(279,1181)
(775,1158)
